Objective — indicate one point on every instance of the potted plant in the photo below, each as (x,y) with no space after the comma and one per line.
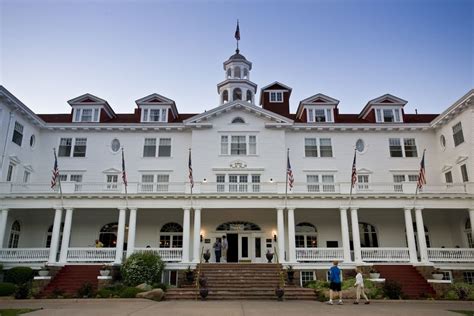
(105,270)
(374,274)
(207,255)
(280,289)
(189,275)
(437,275)
(291,274)
(202,280)
(203,292)
(269,256)
(44,271)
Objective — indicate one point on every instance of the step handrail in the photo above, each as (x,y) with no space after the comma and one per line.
(198,274)
(281,280)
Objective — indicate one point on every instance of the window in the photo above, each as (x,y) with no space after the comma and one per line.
(306,276)
(238,145)
(229,73)
(311,147)
(171,236)
(448,177)
(26,176)
(78,179)
(246,73)
(320,115)
(80,147)
(457,134)
(408,149)
(306,235)
(14,235)
(387,115)
(112,180)
(238,120)
(249,96)
(237,72)
(115,145)
(162,182)
(148,183)
(276,96)
(164,149)
(155,114)
(65,145)
(255,183)
(18,134)
(442,141)
(225,96)
(398,179)
(220,179)
(325,147)
(108,235)
(368,235)
(32,141)
(11,168)
(237,94)
(468,232)
(224,145)
(49,236)
(312,183)
(465,177)
(360,145)
(86,115)
(362,182)
(238,183)
(328,183)
(468,277)
(252,145)
(149,149)
(317,182)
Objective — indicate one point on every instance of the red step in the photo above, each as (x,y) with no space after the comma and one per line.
(71,278)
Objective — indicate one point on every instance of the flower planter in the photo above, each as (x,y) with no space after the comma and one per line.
(374,275)
(104,272)
(206,256)
(43,273)
(437,276)
(279,292)
(203,292)
(269,257)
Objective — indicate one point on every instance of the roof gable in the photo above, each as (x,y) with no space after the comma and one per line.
(317,99)
(158,99)
(384,100)
(88,99)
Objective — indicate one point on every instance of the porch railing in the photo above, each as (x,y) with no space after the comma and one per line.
(319,254)
(89,254)
(451,254)
(24,254)
(385,254)
(166,254)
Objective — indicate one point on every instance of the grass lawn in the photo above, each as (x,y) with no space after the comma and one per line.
(468,313)
(14,312)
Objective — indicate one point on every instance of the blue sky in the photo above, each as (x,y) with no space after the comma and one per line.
(354,51)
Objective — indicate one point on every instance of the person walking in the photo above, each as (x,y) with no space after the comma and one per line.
(335,283)
(217,249)
(224,248)
(360,287)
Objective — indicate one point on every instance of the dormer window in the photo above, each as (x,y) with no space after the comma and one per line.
(276,96)
(155,115)
(320,115)
(86,115)
(384,115)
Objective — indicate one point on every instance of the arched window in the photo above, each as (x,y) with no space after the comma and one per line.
(108,235)
(237,95)
(171,235)
(238,120)
(249,96)
(468,231)
(14,235)
(306,235)
(237,72)
(50,235)
(246,73)
(238,225)
(229,73)
(225,96)
(368,236)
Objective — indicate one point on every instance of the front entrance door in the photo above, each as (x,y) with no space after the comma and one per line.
(233,251)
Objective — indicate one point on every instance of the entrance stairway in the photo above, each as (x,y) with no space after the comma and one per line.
(241,281)
(413,284)
(71,278)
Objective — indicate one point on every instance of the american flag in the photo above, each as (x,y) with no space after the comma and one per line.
(124,174)
(289,173)
(354,171)
(421,175)
(237,32)
(55,177)
(190,167)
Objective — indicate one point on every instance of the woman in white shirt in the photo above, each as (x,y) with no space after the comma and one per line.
(360,287)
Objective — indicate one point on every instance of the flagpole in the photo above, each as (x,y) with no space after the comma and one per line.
(190,184)
(59,181)
(124,177)
(239,35)
(286,183)
(350,192)
(417,186)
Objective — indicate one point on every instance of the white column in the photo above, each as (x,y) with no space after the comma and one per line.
(410,235)
(355,235)
(420,228)
(291,235)
(53,250)
(3,225)
(197,235)
(345,235)
(120,235)
(132,228)
(66,235)
(471,218)
(281,235)
(186,234)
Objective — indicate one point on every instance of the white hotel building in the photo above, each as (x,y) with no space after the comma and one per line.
(239,153)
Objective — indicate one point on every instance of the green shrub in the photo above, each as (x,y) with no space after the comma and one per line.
(142,268)
(162,286)
(392,290)
(7,289)
(86,290)
(451,295)
(372,290)
(105,293)
(23,291)
(129,292)
(317,285)
(19,275)
(463,290)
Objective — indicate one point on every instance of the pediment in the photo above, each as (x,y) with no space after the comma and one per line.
(446,168)
(240,106)
(111,170)
(238,164)
(87,99)
(364,171)
(154,98)
(276,86)
(388,99)
(320,99)
(461,159)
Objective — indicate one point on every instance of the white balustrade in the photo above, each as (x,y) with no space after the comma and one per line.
(166,254)
(451,254)
(391,254)
(24,254)
(319,254)
(90,254)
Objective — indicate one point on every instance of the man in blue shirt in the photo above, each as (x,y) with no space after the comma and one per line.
(335,283)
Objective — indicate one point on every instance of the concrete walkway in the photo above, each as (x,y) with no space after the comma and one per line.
(72,307)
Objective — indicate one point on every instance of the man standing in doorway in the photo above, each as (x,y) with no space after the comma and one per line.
(224,247)
(335,283)
(217,249)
